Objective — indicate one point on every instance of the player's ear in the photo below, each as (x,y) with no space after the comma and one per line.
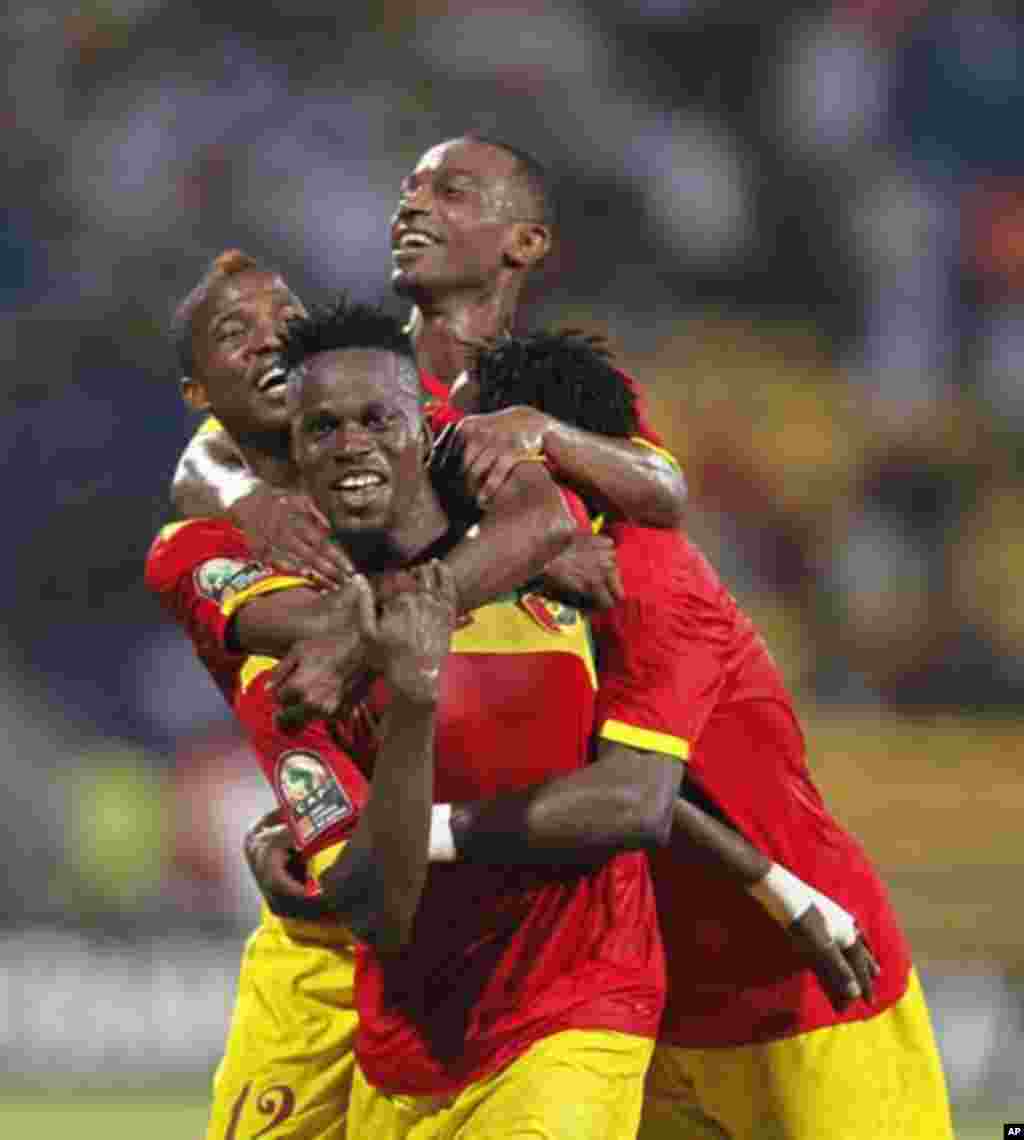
(193,392)
(529,243)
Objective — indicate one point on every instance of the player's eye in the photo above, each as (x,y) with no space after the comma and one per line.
(379,419)
(320,426)
(230,331)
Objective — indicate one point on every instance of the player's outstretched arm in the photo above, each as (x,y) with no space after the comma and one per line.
(628,799)
(633,479)
(823,932)
(623,800)
(212,480)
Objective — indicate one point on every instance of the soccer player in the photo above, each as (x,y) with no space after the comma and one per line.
(509,980)
(749,1045)
(296,974)
(474,218)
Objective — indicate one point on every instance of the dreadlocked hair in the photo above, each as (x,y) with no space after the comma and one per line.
(565,374)
(349,325)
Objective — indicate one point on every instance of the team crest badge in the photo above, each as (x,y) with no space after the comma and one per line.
(312,794)
(555,617)
(221,578)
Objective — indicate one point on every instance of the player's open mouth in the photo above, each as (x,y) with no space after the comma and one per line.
(275,378)
(358,487)
(412,243)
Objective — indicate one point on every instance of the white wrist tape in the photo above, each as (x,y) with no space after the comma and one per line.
(840,924)
(783,895)
(441,848)
(786,898)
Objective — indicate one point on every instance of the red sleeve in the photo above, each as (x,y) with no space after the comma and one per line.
(644,427)
(202,571)
(661,668)
(317,783)
(190,567)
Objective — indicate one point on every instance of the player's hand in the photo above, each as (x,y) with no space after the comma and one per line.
(278,869)
(315,678)
(845,973)
(494,444)
(585,573)
(412,635)
(288,531)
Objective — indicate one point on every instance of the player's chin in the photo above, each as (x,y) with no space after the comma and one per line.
(403,280)
(270,414)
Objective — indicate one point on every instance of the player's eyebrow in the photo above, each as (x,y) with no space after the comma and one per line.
(234,313)
(411,181)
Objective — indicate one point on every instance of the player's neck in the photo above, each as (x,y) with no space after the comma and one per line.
(409,540)
(268,455)
(446,332)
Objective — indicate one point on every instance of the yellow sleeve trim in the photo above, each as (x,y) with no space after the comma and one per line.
(319,862)
(662,451)
(254,667)
(234,603)
(172,528)
(645,738)
(209,426)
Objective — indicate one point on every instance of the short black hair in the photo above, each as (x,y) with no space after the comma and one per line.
(566,374)
(531,171)
(226,264)
(348,324)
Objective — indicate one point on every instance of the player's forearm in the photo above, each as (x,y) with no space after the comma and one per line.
(623,801)
(526,527)
(210,478)
(271,624)
(639,483)
(716,846)
(376,883)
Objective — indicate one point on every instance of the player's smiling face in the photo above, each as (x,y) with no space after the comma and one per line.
(237,337)
(456,218)
(357,439)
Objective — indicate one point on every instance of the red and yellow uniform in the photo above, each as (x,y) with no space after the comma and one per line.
(749,1038)
(288,1061)
(516,978)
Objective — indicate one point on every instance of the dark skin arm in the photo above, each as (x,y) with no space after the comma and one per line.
(623,800)
(376,882)
(526,525)
(634,481)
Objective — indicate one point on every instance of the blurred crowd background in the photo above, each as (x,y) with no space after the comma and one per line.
(800,226)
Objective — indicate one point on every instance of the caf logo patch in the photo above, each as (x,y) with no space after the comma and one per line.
(555,617)
(311,792)
(221,578)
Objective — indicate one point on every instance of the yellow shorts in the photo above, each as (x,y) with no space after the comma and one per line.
(879,1079)
(288,1063)
(575,1085)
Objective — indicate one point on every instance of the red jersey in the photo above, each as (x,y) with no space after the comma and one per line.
(682,661)
(202,570)
(500,957)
